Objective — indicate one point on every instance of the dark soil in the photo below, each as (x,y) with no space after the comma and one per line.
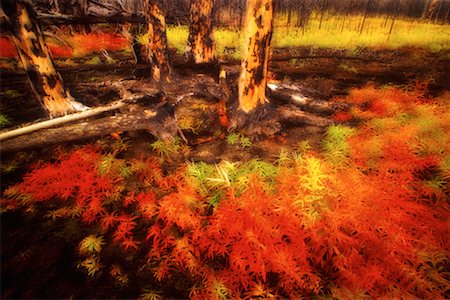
(37,258)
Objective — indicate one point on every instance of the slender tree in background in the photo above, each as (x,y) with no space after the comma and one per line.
(323,7)
(158,46)
(394,17)
(45,81)
(200,43)
(140,51)
(366,14)
(258,34)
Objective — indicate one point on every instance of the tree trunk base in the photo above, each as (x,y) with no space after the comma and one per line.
(261,122)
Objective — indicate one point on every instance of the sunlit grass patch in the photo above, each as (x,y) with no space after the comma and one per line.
(227,42)
(177,37)
(334,32)
(345,33)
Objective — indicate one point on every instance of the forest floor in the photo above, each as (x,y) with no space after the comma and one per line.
(36,265)
(322,75)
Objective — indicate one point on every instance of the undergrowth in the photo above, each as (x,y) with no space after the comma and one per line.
(367,217)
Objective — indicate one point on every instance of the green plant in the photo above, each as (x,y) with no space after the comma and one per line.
(166,149)
(233,138)
(197,175)
(335,144)
(94,60)
(347,68)
(4,121)
(237,138)
(10,94)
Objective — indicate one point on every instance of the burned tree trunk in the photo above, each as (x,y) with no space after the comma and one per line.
(254,113)
(45,81)
(140,51)
(323,7)
(258,34)
(200,43)
(158,46)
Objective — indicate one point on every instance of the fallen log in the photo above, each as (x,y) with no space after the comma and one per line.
(58,121)
(60,19)
(337,57)
(289,114)
(108,67)
(75,116)
(156,118)
(290,94)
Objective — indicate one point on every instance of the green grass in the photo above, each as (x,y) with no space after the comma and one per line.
(177,37)
(4,121)
(335,32)
(226,40)
(344,33)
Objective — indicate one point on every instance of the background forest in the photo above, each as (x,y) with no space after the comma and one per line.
(178,10)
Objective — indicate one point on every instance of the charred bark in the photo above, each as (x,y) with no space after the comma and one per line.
(200,44)
(258,34)
(45,81)
(158,46)
(140,52)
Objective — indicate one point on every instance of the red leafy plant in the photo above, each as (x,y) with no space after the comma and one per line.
(74,45)
(363,225)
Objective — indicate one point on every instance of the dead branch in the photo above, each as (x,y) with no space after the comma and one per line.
(158,119)
(69,118)
(337,57)
(292,95)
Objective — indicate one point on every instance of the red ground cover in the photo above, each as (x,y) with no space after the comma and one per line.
(7,49)
(77,45)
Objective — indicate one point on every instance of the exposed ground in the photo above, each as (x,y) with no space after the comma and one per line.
(319,75)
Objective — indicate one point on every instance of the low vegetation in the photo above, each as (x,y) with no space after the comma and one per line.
(365,216)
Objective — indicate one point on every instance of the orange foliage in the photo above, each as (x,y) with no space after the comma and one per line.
(80,45)
(59,51)
(7,49)
(371,102)
(94,42)
(370,228)
(342,116)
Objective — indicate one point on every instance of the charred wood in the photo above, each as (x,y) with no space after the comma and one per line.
(27,129)
(289,114)
(292,95)
(156,118)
